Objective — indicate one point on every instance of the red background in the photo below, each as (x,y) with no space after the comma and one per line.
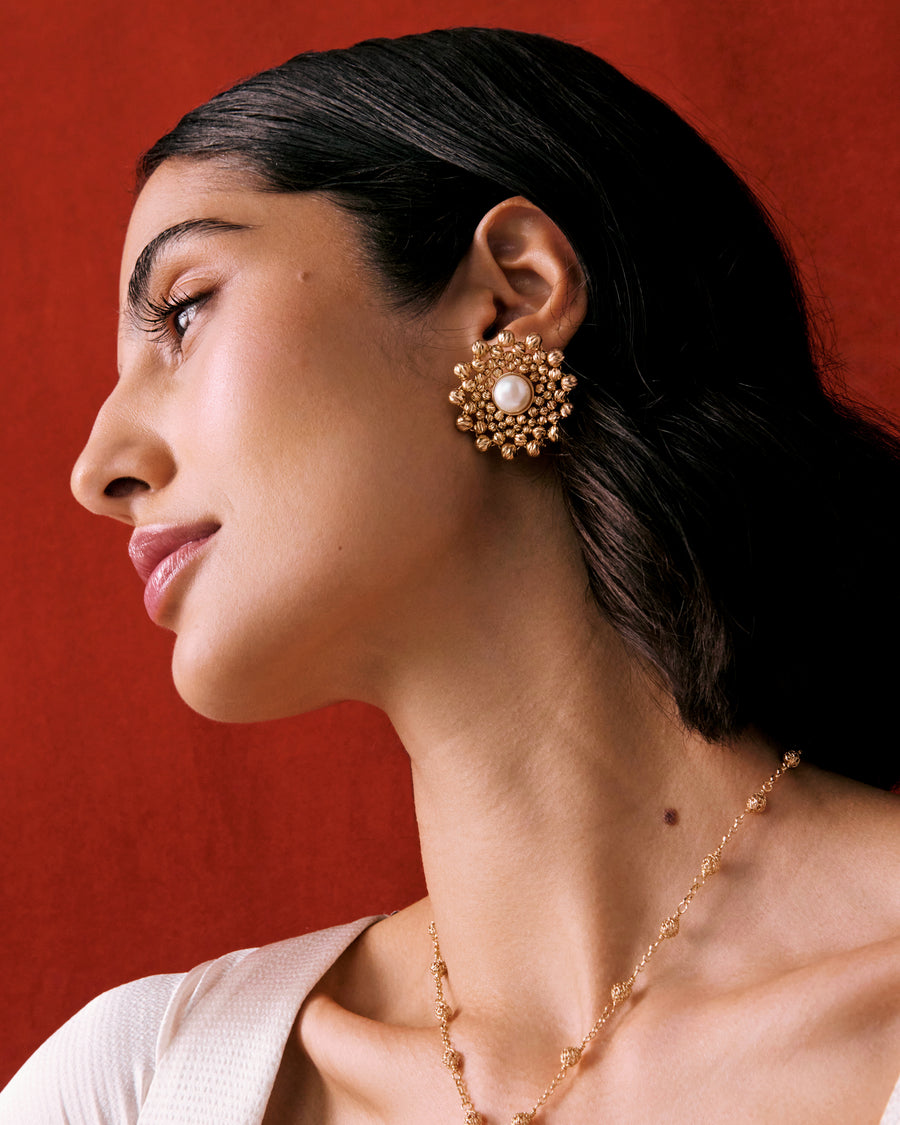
(137,837)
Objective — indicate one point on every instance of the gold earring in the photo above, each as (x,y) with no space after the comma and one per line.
(512,394)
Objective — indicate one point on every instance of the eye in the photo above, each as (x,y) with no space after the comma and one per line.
(172,317)
(184,317)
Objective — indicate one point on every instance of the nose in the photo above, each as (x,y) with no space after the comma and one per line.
(123,462)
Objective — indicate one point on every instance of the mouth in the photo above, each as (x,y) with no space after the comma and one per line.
(161,552)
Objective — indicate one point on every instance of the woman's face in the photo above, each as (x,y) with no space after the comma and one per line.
(294,430)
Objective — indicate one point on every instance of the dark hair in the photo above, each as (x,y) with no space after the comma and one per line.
(738,521)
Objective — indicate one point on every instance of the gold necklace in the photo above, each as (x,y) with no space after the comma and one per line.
(619,993)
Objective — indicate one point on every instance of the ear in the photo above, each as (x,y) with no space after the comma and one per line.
(522,275)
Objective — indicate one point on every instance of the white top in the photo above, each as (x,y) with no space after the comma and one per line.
(197,1048)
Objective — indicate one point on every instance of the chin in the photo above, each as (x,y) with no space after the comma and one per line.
(240,691)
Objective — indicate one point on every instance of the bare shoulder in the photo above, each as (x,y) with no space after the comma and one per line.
(839,913)
(862,889)
(836,879)
(798,1002)
(852,832)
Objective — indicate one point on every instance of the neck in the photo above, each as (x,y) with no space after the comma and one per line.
(544,833)
(544,760)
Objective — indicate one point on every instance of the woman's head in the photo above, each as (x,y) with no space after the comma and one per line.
(696,464)
(281,438)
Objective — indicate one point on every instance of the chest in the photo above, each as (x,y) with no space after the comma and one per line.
(759,1062)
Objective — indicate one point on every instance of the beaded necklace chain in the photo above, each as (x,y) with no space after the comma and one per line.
(619,993)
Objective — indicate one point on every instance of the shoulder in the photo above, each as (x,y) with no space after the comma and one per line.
(102,1066)
(833,917)
(837,946)
(98,1066)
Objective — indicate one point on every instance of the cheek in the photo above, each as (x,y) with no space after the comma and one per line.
(327,436)
(303,469)
(343,488)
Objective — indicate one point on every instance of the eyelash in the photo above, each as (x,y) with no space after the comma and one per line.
(160,317)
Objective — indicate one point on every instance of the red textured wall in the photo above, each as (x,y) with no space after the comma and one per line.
(137,837)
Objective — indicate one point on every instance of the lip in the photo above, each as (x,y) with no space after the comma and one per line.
(161,552)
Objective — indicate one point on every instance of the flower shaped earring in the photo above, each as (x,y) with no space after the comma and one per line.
(512,395)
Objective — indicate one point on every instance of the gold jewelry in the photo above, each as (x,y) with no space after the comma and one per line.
(513,395)
(619,993)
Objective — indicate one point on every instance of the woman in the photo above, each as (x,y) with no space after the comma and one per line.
(609,610)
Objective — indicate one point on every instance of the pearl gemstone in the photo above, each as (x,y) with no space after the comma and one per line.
(513,394)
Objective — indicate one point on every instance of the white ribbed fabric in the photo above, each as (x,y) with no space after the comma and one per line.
(892,1112)
(199,1048)
(97,1069)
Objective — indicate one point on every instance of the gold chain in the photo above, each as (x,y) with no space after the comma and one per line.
(619,993)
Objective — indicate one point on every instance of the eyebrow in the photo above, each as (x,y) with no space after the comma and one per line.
(139,282)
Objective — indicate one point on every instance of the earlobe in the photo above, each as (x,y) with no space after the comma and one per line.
(537,283)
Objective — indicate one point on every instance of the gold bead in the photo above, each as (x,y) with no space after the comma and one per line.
(483,443)
(710,865)
(620,991)
(464,422)
(539,433)
(479,348)
(565,410)
(520,439)
(533,341)
(506,339)
(569,382)
(522,1119)
(457,397)
(442,1010)
(560,396)
(469,385)
(570,1056)
(555,358)
(473,1117)
(533,449)
(462,370)
(553,433)
(756,803)
(499,438)
(669,928)
(791,759)
(453,1060)
(438,968)
(508,451)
